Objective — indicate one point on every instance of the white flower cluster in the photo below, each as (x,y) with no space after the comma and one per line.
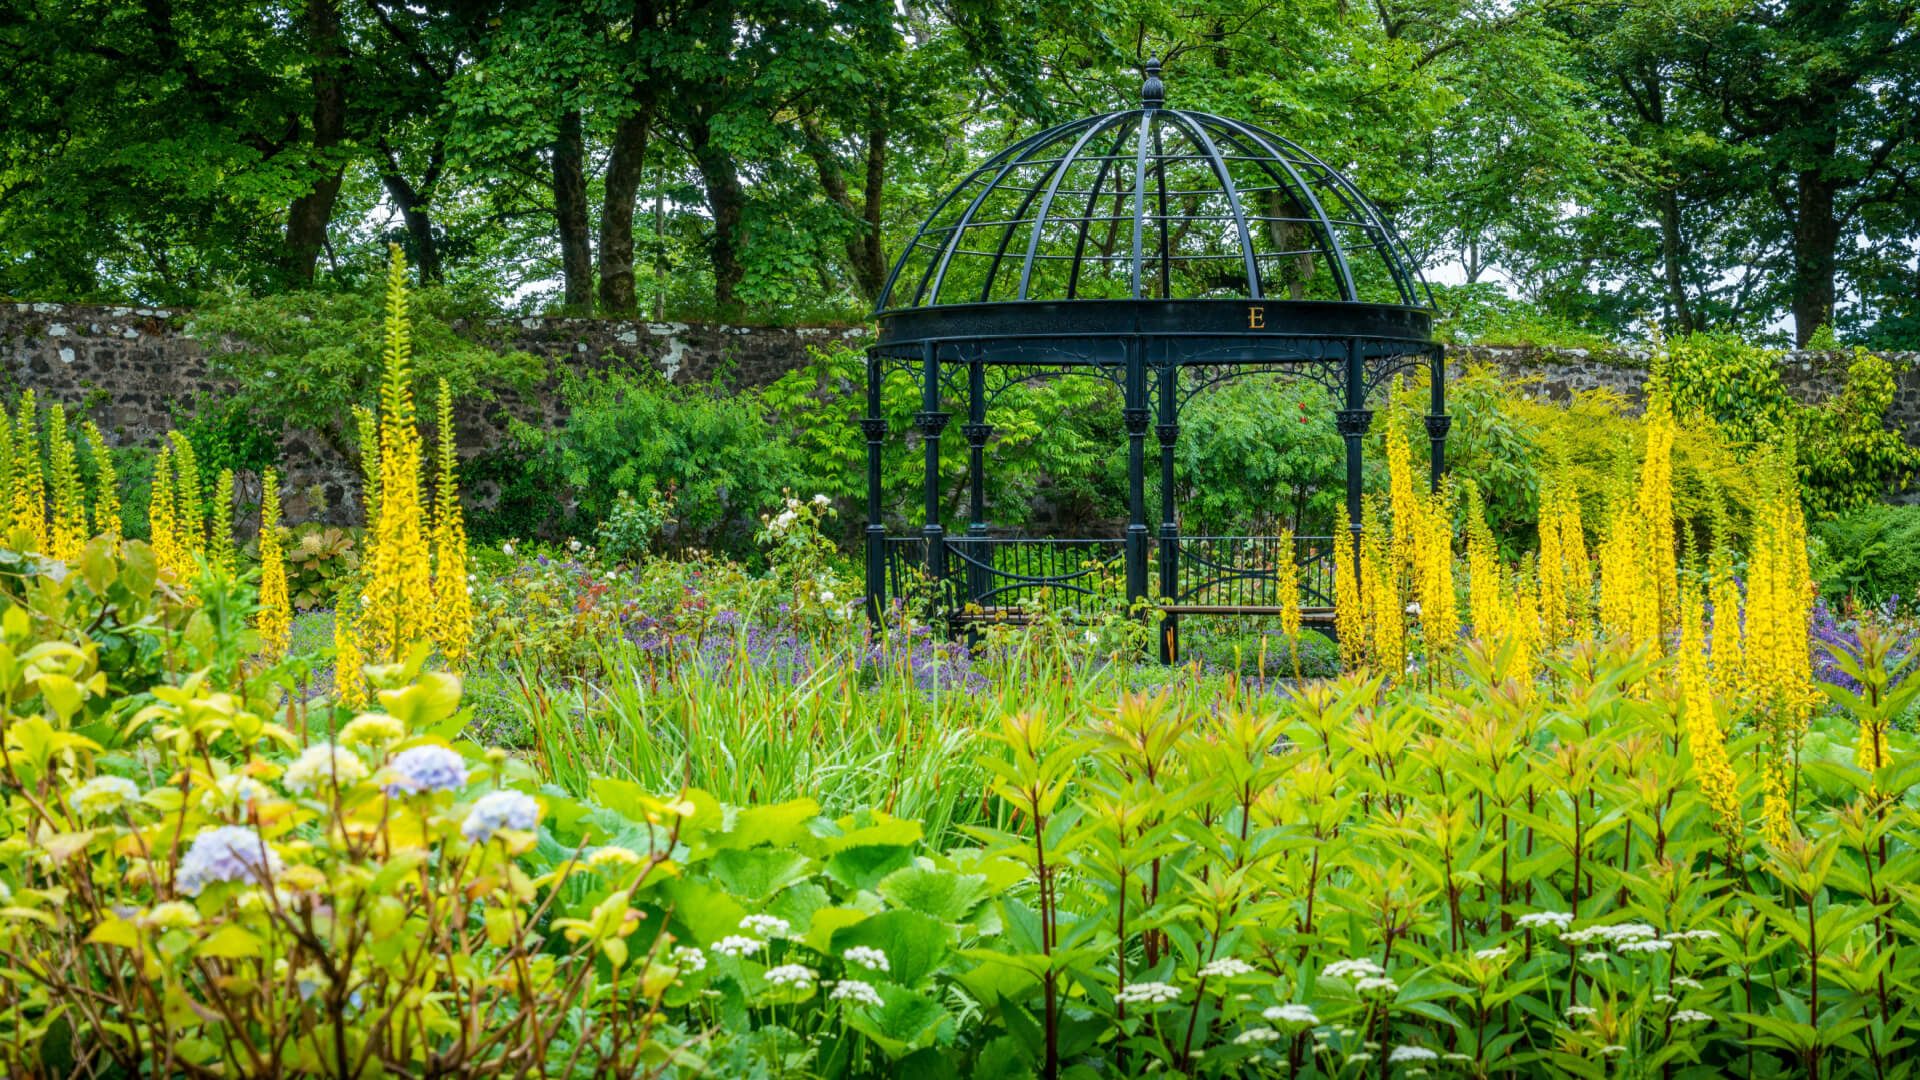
(1494,953)
(735,945)
(867,957)
(1690,1016)
(796,975)
(1261,1034)
(1688,984)
(322,764)
(1347,969)
(1226,967)
(1693,935)
(1147,993)
(690,959)
(1574,1012)
(1649,945)
(767,926)
(855,991)
(1376,985)
(1617,934)
(103,794)
(1412,1053)
(1536,920)
(1294,1013)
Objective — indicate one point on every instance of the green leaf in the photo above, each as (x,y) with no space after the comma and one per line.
(759,873)
(916,945)
(905,1021)
(943,894)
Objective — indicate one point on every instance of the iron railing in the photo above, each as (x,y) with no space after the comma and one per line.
(1243,572)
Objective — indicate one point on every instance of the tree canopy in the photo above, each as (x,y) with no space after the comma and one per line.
(1709,164)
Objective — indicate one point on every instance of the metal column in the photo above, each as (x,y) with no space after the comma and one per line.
(931,422)
(1137,416)
(977,431)
(1168,430)
(1438,422)
(1352,422)
(874,427)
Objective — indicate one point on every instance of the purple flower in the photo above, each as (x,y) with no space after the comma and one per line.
(498,810)
(227,853)
(426,768)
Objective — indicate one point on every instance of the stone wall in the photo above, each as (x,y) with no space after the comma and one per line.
(131,368)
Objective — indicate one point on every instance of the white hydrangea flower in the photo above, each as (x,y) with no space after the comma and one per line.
(104,794)
(1690,1016)
(767,926)
(735,945)
(1147,993)
(690,959)
(1227,967)
(867,957)
(322,764)
(1261,1034)
(1412,1053)
(1346,969)
(855,991)
(1295,1013)
(797,975)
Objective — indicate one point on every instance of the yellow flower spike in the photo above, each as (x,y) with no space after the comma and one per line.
(1349,608)
(1286,585)
(453,603)
(29,482)
(1483,571)
(106,498)
(275,621)
(1706,741)
(161,522)
(189,510)
(220,540)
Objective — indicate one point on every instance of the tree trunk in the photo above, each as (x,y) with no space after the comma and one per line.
(871,270)
(413,210)
(570,211)
(1816,238)
(728,202)
(312,211)
(1670,254)
(625,170)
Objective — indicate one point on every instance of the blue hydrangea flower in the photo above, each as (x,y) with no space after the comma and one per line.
(500,810)
(426,768)
(227,853)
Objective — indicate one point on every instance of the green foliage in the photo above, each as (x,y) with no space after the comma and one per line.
(1871,554)
(1729,381)
(320,559)
(711,453)
(1485,314)
(1846,454)
(1256,455)
(631,525)
(303,359)
(227,434)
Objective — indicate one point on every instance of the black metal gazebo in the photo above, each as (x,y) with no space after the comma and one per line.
(1166,251)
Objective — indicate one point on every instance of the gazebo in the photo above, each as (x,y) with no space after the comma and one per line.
(1165,251)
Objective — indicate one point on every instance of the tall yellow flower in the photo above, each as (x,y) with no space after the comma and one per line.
(397,602)
(1402,506)
(1705,740)
(275,621)
(1349,604)
(1379,581)
(1654,501)
(1520,629)
(220,541)
(1439,607)
(189,508)
(1576,576)
(29,483)
(367,424)
(1483,571)
(68,535)
(162,525)
(1553,590)
(106,496)
(453,603)
(1286,585)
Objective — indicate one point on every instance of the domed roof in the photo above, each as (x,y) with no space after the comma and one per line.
(1154,204)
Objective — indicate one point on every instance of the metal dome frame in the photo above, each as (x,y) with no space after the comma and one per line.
(1187,300)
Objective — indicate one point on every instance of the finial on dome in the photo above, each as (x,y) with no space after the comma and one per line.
(1153,94)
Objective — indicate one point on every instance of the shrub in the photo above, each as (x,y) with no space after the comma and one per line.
(711,453)
(1871,555)
(632,525)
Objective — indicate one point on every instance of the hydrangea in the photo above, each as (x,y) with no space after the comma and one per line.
(226,853)
(796,975)
(1227,967)
(1559,920)
(1147,993)
(736,945)
(498,810)
(104,794)
(1261,1034)
(855,991)
(421,769)
(612,857)
(372,728)
(691,959)
(1412,1053)
(767,926)
(1295,1013)
(172,915)
(239,789)
(322,764)
(1360,966)
(867,957)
